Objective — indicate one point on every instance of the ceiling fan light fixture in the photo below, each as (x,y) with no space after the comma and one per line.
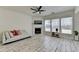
(38,10)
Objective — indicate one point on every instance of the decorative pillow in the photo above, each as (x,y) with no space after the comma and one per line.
(19,32)
(14,32)
(11,35)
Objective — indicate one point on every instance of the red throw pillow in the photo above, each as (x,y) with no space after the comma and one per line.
(19,32)
(14,32)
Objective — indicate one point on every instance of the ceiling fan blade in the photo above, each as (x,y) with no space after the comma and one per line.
(42,10)
(33,9)
(34,12)
(39,8)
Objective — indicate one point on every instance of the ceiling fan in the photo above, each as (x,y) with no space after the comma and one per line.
(38,10)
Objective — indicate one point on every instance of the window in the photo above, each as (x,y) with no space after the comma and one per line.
(47,25)
(55,25)
(66,25)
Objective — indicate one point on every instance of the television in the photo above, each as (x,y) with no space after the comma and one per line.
(38,22)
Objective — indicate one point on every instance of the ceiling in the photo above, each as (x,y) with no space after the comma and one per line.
(49,9)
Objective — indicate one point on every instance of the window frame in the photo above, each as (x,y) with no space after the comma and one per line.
(59,24)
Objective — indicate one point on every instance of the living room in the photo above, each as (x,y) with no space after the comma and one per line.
(47,28)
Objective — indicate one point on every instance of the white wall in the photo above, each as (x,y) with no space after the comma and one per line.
(76,21)
(10,20)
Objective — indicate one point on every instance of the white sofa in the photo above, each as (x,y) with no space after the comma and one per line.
(7,39)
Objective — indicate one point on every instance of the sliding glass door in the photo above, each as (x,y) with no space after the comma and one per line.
(55,25)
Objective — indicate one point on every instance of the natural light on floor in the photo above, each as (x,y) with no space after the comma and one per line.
(66,31)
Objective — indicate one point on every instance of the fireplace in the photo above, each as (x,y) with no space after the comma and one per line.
(37,30)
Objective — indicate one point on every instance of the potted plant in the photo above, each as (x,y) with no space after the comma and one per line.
(76,35)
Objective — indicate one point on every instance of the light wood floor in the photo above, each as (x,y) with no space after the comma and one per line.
(42,44)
